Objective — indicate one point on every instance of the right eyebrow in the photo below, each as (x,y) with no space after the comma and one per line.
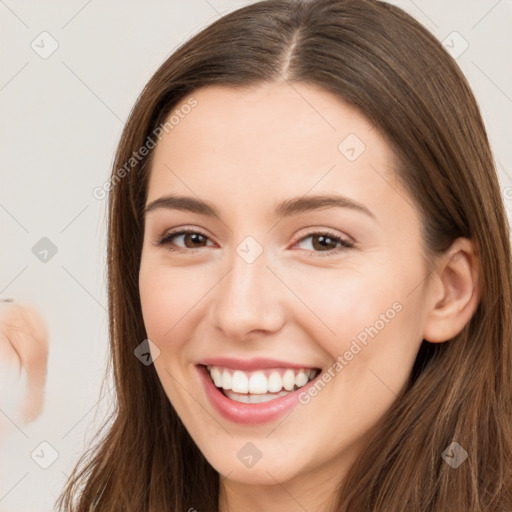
(189,204)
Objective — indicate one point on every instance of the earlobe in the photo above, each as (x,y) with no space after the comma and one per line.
(455,292)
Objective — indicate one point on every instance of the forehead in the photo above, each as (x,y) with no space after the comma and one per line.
(270,142)
(272,116)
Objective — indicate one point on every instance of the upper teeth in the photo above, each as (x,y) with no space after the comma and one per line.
(261,381)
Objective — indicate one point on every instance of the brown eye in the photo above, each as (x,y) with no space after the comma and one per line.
(324,242)
(191,240)
(327,243)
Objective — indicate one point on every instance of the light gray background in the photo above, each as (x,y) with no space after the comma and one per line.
(62,117)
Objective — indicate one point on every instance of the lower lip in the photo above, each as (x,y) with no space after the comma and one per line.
(250,414)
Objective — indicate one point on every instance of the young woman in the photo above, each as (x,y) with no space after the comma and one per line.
(309,277)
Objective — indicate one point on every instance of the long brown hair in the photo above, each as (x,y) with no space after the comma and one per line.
(381,61)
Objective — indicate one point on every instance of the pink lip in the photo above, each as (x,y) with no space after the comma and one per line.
(251,364)
(250,414)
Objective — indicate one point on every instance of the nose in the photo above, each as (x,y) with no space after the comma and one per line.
(248,302)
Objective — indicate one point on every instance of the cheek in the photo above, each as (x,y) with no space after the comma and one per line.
(173,306)
(342,302)
(163,305)
(155,303)
(367,317)
(167,297)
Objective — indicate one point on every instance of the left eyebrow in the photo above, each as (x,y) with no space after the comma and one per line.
(287,208)
(303,204)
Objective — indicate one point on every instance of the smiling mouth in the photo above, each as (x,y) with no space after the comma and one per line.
(254,387)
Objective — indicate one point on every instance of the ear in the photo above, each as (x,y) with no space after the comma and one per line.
(454,293)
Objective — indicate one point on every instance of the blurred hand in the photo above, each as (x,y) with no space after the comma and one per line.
(23,362)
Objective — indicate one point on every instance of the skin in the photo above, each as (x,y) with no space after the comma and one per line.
(244,151)
(23,364)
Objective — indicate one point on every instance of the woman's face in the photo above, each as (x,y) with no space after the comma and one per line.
(274,285)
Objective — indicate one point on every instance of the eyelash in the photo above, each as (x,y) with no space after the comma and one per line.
(166,239)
